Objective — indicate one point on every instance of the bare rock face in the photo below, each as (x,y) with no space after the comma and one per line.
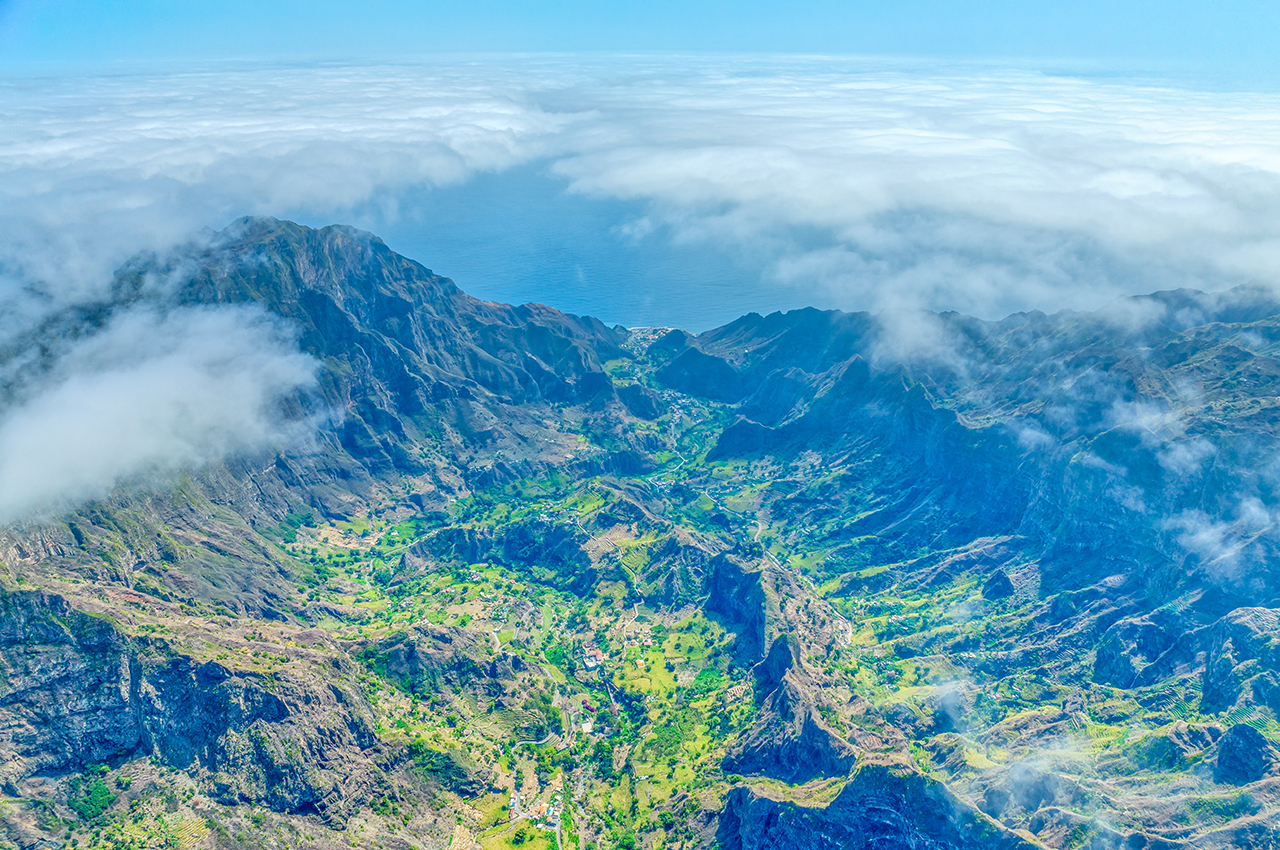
(435,659)
(78,692)
(1242,659)
(547,551)
(1131,644)
(68,697)
(761,604)
(886,804)
(737,595)
(1235,657)
(997,586)
(301,746)
(1244,756)
(790,740)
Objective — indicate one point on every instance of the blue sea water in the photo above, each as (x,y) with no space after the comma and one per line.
(519,237)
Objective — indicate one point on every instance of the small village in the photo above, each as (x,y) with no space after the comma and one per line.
(610,656)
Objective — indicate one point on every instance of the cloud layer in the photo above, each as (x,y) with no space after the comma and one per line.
(980,190)
(868,185)
(94,170)
(983,192)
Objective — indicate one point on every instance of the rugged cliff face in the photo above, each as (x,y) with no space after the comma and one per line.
(790,740)
(418,381)
(404,348)
(1103,470)
(78,693)
(441,660)
(883,804)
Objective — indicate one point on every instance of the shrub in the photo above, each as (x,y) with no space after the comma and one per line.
(90,799)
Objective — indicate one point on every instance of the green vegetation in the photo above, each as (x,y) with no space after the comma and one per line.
(575,641)
(88,796)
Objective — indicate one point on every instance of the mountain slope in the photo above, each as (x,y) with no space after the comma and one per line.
(522,579)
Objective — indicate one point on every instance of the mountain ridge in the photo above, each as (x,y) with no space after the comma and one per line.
(672,586)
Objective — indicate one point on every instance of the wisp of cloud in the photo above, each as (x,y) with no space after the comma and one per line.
(150,394)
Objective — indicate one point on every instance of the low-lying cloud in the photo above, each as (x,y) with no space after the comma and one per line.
(94,170)
(150,394)
(873,185)
(949,188)
(867,185)
(1221,542)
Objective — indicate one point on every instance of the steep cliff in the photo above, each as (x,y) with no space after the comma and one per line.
(790,740)
(78,692)
(884,804)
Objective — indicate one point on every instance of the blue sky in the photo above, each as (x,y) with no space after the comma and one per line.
(1229,42)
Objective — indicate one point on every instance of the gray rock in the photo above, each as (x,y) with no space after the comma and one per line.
(1243,755)
(789,739)
(886,805)
(997,586)
(78,692)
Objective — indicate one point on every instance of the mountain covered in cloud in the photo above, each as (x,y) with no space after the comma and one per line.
(365,560)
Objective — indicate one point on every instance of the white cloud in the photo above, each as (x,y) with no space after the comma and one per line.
(147,395)
(1186,459)
(870,186)
(1221,542)
(94,170)
(961,189)
(981,190)
(1031,436)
